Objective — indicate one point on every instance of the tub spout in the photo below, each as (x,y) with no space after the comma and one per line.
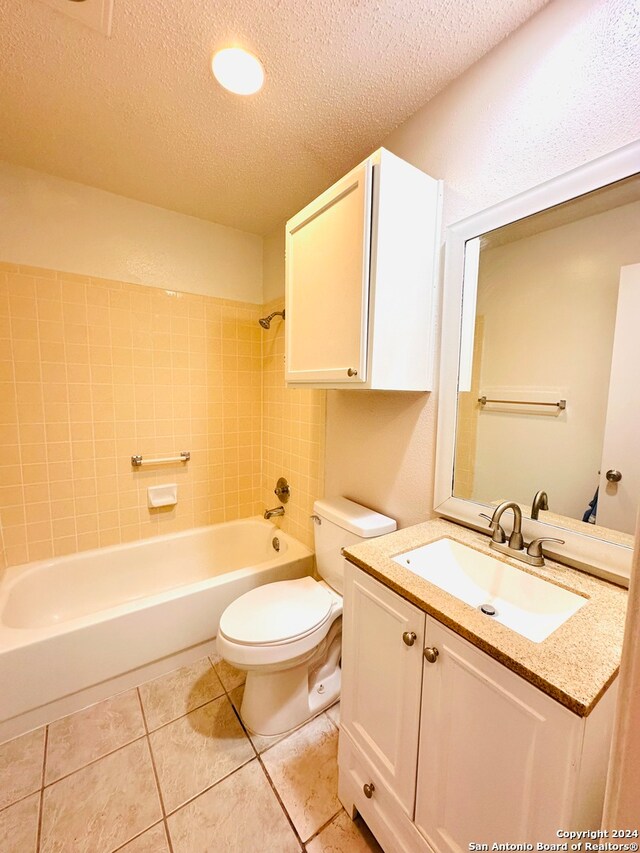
(269,513)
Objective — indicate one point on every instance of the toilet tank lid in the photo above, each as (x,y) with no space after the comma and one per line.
(353,517)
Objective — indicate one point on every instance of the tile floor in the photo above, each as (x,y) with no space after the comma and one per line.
(169,768)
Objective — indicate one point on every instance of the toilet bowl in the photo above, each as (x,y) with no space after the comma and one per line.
(287,635)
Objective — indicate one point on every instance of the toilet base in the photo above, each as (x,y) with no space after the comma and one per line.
(277,702)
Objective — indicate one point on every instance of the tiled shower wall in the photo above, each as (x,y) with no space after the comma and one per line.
(293,429)
(93,371)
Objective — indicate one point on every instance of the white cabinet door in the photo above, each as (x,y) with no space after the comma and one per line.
(327,282)
(381,676)
(497,759)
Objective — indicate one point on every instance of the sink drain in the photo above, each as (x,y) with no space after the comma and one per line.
(488,609)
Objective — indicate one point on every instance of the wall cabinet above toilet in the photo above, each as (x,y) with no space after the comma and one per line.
(361,273)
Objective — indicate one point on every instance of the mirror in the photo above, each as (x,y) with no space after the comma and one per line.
(549,365)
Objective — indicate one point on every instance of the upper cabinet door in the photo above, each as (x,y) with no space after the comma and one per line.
(327,283)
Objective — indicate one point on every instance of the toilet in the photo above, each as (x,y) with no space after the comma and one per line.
(287,635)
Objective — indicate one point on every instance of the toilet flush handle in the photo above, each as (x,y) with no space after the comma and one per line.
(316,519)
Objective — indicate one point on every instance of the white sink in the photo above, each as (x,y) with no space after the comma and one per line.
(527,604)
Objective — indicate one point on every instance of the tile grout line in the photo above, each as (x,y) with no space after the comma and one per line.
(209,787)
(181,716)
(93,760)
(261,763)
(139,835)
(41,804)
(269,779)
(324,825)
(280,801)
(155,772)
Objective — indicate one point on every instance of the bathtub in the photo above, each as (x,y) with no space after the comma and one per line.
(79,628)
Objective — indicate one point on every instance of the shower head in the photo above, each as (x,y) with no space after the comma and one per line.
(265,322)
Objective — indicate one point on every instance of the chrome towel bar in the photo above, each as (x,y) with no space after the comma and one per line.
(137,461)
(560,404)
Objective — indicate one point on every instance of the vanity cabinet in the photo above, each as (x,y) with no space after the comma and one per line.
(361,272)
(441,745)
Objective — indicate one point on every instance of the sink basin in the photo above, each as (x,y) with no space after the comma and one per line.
(522,602)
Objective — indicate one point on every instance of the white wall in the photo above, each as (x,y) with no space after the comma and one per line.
(273,264)
(559,92)
(58,224)
(549,306)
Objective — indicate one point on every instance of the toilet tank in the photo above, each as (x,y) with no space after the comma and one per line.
(342,522)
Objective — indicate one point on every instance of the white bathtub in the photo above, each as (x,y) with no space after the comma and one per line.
(71,624)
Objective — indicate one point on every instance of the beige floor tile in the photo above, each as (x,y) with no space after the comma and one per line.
(154,840)
(260,742)
(196,751)
(344,835)
(239,815)
(334,714)
(166,698)
(103,805)
(21,763)
(229,675)
(91,733)
(304,769)
(19,826)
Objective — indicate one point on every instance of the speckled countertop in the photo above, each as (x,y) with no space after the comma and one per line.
(574,665)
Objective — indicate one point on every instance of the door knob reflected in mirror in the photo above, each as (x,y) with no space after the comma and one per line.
(613,476)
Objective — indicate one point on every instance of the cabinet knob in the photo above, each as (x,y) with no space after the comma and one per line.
(352,372)
(409,638)
(368,789)
(431,654)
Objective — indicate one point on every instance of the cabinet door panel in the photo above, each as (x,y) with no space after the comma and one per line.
(328,252)
(380,705)
(491,746)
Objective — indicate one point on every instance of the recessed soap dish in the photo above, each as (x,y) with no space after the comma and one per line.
(164,495)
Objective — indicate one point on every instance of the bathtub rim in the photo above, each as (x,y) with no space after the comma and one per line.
(19,637)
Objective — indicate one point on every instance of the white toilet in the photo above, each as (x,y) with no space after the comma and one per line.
(287,635)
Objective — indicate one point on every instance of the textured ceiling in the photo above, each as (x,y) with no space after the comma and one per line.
(139,113)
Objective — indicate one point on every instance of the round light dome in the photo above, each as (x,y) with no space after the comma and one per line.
(238,70)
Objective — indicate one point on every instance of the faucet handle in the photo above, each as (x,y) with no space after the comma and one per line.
(498,534)
(535,546)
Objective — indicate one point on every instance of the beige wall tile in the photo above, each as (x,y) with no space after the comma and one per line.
(96,371)
(241,813)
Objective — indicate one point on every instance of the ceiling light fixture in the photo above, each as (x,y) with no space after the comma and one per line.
(238,70)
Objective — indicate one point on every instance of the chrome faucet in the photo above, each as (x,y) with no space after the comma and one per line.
(540,501)
(269,513)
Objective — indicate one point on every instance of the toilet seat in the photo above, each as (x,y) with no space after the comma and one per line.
(277,623)
(276,613)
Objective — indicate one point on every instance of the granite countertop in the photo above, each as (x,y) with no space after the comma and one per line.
(574,665)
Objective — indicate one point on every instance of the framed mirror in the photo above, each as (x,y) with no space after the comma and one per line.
(540,379)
